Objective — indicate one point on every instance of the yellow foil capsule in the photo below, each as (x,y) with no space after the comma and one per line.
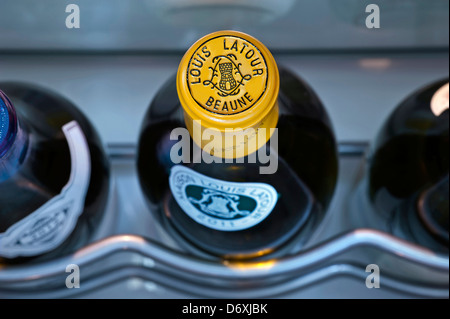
(228,86)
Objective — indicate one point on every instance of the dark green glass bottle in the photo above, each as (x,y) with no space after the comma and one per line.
(408,169)
(245,206)
(54,176)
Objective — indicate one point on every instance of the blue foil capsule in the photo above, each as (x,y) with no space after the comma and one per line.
(8,124)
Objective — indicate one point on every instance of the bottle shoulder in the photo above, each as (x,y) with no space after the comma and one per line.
(45,111)
(305,139)
(411,151)
(45,166)
(296,99)
(415,116)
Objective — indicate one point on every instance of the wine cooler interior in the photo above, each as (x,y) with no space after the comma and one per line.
(123,52)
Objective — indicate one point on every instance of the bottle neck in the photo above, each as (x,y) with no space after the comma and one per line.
(233,142)
(13,139)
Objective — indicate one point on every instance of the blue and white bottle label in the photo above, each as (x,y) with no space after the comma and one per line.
(50,225)
(221,205)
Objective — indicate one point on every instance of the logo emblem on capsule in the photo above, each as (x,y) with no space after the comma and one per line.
(226,76)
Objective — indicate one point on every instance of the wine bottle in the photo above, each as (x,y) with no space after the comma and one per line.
(408,168)
(54,175)
(237,158)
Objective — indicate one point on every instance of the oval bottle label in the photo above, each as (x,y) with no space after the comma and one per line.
(50,225)
(221,205)
(440,100)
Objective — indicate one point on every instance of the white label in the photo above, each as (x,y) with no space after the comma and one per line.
(440,100)
(48,227)
(218,204)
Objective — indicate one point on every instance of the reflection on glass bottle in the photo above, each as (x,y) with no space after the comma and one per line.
(54,175)
(250,192)
(408,171)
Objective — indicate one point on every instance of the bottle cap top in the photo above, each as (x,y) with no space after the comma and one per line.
(229,80)
(8,124)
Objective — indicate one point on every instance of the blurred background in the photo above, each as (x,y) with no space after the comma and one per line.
(173,25)
(112,66)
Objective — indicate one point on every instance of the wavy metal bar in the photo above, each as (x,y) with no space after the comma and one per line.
(162,259)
